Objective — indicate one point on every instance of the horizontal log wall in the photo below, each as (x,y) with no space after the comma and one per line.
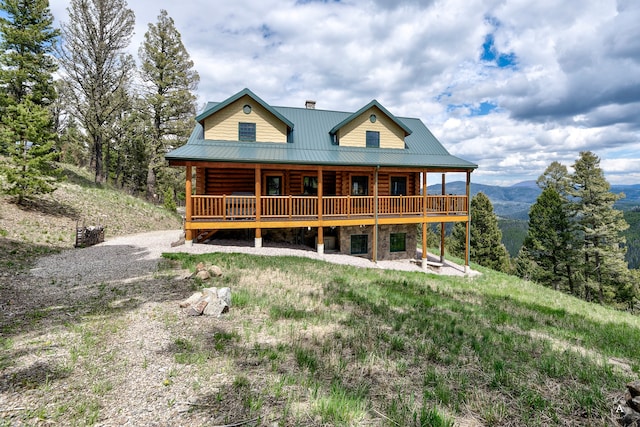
(229,181)
(215,181)
(329,183)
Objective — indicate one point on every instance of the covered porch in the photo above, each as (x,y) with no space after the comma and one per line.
(261,209)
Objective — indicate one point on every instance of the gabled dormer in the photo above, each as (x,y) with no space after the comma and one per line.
(244,117)
(372,127)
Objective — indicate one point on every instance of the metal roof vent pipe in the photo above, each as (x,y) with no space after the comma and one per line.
(310,105)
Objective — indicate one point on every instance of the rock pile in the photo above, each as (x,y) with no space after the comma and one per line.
(629,410)
(211,301)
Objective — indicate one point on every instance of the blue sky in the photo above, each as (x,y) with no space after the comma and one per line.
(509,85)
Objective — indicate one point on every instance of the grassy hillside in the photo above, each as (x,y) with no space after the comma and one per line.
(346,346)
(49,223)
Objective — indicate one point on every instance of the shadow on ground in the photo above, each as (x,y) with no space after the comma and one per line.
(66,287)
(49,207)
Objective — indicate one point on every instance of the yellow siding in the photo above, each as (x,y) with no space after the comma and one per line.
(223,125)
(355,132)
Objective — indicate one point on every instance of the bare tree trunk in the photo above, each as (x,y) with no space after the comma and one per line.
(98,150)
(570,279)
(151,181)
(107,161)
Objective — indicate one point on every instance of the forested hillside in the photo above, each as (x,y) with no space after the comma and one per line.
(513,233)
(514,202)
(512,205)
(633,238)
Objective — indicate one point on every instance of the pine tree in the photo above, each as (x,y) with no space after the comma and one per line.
(98,69)
(550,240)
(486,246)
(170,102)
(30,147)
(557,177)
(71,141)
(27,40)
(603,265)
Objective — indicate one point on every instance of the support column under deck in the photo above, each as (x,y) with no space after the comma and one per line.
(442,225)
(467,254)
(258,191)
(188,237)
(424,224)
(258,239)
(320,245)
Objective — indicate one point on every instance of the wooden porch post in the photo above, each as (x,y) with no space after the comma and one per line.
(258,191)
(320,247)
(442,229)
(467,253)
(188,238)
(375,213)
(424,218)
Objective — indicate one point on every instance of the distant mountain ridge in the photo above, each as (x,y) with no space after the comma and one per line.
(514,201)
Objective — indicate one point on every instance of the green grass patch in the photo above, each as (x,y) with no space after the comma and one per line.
(508,350)
(341,406)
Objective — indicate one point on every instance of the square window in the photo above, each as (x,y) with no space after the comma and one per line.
(359,244)
(274,185)
(310,185)
(359,185)
(247,132)
(373,139)
(398,186)
(398,242)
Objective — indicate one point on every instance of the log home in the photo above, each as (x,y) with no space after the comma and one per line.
(346,182)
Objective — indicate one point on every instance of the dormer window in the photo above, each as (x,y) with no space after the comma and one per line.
(373,139)
(247,132)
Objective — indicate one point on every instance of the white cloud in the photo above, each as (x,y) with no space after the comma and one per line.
(574,86)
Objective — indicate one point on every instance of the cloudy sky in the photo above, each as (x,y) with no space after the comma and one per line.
(511,85)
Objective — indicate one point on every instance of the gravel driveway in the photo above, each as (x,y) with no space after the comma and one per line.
(137,255)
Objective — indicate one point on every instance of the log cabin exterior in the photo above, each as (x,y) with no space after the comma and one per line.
(349,182)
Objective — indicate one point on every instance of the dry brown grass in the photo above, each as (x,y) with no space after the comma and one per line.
(48,223)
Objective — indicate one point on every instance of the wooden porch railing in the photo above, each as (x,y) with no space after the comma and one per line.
(298,207)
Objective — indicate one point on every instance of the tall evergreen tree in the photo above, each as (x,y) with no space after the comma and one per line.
(550,240)
(170,81)
(556,176)
(27,41)
(486,246)
(33,169)
(72,143)
(603,265)
(98,69)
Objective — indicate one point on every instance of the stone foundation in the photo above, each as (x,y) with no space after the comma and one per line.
(384,240)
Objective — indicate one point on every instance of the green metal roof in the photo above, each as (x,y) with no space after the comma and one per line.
(311,143)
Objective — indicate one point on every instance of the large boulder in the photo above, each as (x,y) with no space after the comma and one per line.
(191,300)
(225,295)
(208,302)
